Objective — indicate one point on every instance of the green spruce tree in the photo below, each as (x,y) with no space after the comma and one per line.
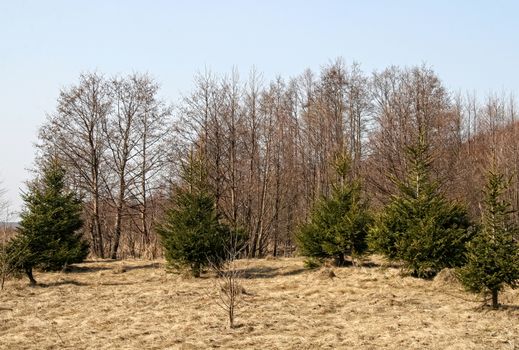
(337,226)
(192,233)
(49,234)
(493,255)
(419,226)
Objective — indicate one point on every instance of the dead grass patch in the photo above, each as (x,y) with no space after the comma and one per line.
(99,306)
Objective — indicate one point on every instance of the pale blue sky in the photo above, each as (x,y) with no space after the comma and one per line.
(45,45)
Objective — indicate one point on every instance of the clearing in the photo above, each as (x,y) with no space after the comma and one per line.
(137,305)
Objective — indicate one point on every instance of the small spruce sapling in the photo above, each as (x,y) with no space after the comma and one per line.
(192,232)
(420,226)
(493,255)
(49,235)
(338,225)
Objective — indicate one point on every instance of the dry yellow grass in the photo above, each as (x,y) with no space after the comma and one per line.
(137,305)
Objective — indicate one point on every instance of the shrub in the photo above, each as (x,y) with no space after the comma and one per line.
(493,255)
(337,225)
(192,234)
(419,226)
(48,234)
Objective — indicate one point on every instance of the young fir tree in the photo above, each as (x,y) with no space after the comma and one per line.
(337,226)
(493,255)
(48,235)
(419,226)
(192,233)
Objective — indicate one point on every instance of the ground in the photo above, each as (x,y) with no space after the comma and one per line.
(138,305)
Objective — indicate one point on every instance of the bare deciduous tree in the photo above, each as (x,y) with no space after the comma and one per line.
(268,147)
(228,284)
(74,134)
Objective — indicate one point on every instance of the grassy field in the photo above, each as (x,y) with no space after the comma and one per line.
(137,305)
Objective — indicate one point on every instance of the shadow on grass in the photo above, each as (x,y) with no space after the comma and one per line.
(486,307)
(509,307)
(267,272)
(84,268)
(382,264)
(271,272)
(61,283)
(79,284)
(368,264)
(118,283)
(143,267)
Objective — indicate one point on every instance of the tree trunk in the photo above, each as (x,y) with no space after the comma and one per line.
(275,249)
(495,304)
(339,260)
(252,252)
(93,235)
(144,209)
(196,269)
(119,214)
(231,315)
(117,234)
(28,271)
(97,226)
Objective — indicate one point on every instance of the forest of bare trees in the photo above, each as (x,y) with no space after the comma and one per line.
(268,147)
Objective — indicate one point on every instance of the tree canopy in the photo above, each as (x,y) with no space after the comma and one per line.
(49,233)
(493,255)
(419,226)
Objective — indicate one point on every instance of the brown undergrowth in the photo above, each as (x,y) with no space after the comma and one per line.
(137,305)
